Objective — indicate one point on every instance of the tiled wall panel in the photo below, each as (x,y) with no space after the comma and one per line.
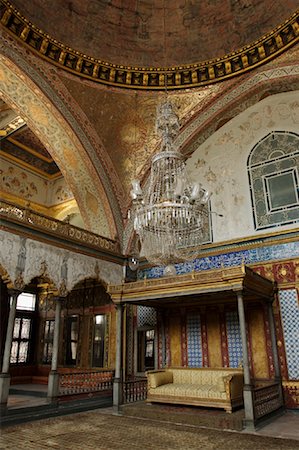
(194,340)
(234,341)
(288,300)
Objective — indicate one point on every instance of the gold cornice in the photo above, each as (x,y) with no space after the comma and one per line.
(151,78)
(51,211)
(66,245)
(212,282)
(25,165)
(30,150)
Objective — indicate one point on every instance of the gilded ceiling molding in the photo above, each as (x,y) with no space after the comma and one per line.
(151,78)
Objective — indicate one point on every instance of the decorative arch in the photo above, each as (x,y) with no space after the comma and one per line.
(233,101)
(23,95)
(23,259)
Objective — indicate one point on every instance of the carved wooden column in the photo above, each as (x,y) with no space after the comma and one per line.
(53,380)
(248,388)
(117,382)
(5,376)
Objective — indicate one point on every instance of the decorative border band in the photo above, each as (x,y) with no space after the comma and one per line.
(179,77)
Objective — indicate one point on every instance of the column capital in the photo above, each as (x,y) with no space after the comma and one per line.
(238,291)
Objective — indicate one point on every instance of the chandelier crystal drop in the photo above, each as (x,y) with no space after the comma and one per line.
(171,215)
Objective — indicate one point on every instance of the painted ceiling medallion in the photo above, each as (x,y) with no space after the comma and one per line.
(151,78)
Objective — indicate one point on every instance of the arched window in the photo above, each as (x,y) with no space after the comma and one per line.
(273,178)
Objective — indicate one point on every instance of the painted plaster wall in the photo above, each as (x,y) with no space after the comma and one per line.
(220,164)
(21,182)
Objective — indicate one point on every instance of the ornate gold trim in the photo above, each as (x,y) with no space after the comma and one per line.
(151,78)
(209,282)
(51,226)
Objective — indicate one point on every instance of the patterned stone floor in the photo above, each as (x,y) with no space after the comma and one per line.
(98,430)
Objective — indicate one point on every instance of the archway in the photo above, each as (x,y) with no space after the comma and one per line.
(21,94)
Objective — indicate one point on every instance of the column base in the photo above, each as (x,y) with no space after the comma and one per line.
(248,405)
(53,385)
(4,388)
(117,410)
(117,394)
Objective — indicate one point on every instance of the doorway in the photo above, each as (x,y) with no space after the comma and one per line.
(146,349)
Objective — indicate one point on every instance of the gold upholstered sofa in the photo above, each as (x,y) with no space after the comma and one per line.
(219,388)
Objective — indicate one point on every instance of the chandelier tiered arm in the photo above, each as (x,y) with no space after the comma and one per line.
(170,216)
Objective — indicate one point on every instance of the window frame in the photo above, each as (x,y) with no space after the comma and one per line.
(266,160)
(47,341)
(30,349)
(102,343)
(69,361)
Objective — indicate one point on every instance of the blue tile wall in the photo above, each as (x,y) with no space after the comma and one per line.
(194,341)
(234,341)
(230,259)
(289,308)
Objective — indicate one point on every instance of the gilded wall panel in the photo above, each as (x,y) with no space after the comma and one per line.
(258,343)
(214,339)
(175,341)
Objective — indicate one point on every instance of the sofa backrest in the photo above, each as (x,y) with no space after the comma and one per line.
(201,375)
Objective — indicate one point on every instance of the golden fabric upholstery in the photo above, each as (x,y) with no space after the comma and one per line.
(160,378)
(207,387)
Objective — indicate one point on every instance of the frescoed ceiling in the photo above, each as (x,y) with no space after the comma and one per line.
(154,32)
(126,122)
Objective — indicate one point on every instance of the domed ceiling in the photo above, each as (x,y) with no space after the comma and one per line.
(155,33)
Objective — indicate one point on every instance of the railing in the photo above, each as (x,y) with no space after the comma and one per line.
(134,390)
(29,217)
(266,399)
(85,382)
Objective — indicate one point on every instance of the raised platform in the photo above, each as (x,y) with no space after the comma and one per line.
(29,402)
(187,415)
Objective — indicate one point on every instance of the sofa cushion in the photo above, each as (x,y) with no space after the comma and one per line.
(188,390)
(160,378)
(221,385)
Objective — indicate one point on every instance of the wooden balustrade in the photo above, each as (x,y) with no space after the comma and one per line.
(85,382)
(266,399)
(134,390)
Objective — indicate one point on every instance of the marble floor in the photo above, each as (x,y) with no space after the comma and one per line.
(283,427)
(102,430)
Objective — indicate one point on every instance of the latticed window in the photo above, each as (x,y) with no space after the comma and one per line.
(48,341)
(274,182)
(22,345)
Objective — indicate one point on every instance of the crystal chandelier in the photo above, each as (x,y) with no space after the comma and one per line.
(171,215)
